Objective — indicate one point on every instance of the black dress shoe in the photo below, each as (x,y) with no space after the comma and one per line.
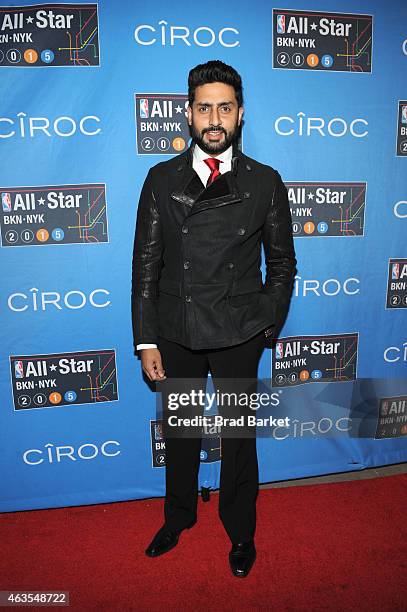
(162,542)
(241,558)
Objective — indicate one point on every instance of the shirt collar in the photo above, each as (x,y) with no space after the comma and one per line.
(200,155)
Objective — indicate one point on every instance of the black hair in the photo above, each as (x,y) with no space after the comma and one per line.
(214,71)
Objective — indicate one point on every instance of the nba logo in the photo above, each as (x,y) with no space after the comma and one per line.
(6,202)
(280,24)
(385,408)
(18,369)
(404,114)
(279,350)
(395,271)
(144,108)
(158,431)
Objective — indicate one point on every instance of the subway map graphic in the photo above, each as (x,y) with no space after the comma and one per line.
(49,35)
(305,359)
(61,379)
(327,209)
(57,214)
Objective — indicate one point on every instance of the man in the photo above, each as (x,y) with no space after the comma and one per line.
(198,299)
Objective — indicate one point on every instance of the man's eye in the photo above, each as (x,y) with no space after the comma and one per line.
(203,109)
(225,109)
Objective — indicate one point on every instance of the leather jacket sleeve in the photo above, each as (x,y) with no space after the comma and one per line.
(277,239)
(146,267)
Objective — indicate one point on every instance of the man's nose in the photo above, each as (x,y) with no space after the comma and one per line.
(214,118)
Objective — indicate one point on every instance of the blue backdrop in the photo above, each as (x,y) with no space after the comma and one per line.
(91,97)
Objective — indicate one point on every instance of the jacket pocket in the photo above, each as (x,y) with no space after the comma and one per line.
(209,311)
(245,291)
(250,307)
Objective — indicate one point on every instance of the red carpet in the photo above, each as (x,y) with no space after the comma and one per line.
(334,547)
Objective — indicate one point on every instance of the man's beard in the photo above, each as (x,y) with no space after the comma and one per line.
(216,148)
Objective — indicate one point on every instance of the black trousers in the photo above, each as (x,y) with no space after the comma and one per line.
(239,477)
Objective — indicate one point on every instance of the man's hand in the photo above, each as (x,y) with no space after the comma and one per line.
(151,364)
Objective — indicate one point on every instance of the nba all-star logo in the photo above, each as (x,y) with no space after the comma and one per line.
(49,35)
(58,214)
(307,40)
(210,446)
(304,359)
(161,123)
(392,417)
(327,209)
(49,381)
(402,129)
(397,284)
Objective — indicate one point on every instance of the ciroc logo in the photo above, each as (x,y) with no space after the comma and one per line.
(37,300)
(301,125)
(169,35)
(64,126)
(56,454)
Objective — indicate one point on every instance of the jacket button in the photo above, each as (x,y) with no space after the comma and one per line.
(246,194)
(179,168)
(230,265)
(184,229)
(187,265)
(241,231)
(248,167)
(188,298)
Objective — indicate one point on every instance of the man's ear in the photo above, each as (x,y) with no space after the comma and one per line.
(240,115)
(189,114)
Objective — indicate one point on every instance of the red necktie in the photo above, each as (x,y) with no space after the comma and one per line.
(213,165)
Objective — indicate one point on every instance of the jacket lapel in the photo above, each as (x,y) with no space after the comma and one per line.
(190,188)
(221,192)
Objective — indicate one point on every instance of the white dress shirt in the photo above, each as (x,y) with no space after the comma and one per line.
(203,171)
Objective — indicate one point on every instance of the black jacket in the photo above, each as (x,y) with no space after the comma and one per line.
(197,253)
